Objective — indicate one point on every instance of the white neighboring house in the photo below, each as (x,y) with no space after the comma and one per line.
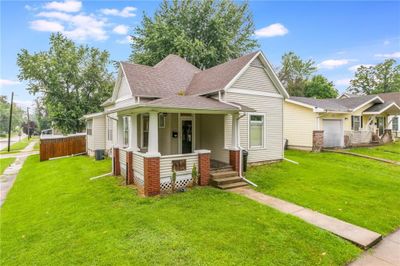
(174,109)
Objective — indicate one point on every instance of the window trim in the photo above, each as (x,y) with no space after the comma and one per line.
(397,119)
(125,121)
(89,122)
(161,118)
(110,129)
(142,130)
(359,122)
(264,130)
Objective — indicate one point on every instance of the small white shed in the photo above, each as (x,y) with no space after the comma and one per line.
(95,132)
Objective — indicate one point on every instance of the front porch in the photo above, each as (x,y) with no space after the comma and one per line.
(155,144)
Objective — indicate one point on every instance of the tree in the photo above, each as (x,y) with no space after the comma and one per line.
(295,72)
(41,115)
(205,32)
(320,88)
(17,117)
(72,80)
(384,77)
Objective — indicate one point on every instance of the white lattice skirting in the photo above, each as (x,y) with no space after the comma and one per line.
(182,181)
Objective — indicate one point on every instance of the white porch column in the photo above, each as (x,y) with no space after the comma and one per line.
(235,131)
(120,131)
(133,133)
(153,133)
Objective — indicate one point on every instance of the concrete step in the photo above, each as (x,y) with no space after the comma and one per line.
(233,185)
(222,174)
(225,180)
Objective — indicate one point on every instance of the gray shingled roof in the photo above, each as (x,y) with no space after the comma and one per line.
(391,96)
(337,105)
(191,102)
(377,108)
(174,74)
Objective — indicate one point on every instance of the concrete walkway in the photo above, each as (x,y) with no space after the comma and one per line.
(8,177)
(364,156)
(386,253)
(358,235)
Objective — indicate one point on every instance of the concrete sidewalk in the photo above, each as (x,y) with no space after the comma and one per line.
(386,253)
(358,235)
(8,177)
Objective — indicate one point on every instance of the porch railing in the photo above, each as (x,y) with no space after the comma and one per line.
(183,164)
(122,161)
(138,169)
(358,137)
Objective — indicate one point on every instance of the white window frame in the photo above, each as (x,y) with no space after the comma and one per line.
(354,122)
(110,129)
(142,130)
(89,126)
(161,120)
(263,115)
(396,118)
(125,130)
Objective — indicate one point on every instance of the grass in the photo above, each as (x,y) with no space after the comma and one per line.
(4,163)
(356,190)
(55,215)
(19,146)
(389,151)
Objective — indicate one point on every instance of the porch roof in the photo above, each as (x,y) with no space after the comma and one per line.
(389,107)
(186,103)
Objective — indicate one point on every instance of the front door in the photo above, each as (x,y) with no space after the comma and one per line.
(187,136)
(380,123)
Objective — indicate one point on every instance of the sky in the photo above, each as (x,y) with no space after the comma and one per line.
(339,35)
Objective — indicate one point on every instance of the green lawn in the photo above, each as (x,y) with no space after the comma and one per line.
(356,190)
(18,146)
(55,215)
(4,163)
(389,151)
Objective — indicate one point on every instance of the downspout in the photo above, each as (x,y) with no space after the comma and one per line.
(238,139)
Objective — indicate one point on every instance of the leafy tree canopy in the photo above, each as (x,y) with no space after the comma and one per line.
(205,32)
(295,72)
(17,118)
(320,88)
(73,80)
(384,77)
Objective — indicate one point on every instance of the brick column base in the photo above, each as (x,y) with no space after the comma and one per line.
(151,176)
(204,168)
(129,167)
(116,163)
(234,160)
(318,140)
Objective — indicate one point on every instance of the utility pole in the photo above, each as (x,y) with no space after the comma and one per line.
(9,122)
(29,125)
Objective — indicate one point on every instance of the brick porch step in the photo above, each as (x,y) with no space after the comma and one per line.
(225,180)
(223,174)
(233,185)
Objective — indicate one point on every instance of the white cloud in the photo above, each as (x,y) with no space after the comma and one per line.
(44,25)
(8,82)
(355,67)
(276,29)
(121,29)
(79,27)
(333,63)
(391,55)
(342,82)
(125,12)
(126,40)
(66,6)
(387,42)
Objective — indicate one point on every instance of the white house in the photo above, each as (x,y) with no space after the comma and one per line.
(174,115)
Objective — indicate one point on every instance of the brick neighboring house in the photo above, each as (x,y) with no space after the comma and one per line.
(349,120)
(174,115)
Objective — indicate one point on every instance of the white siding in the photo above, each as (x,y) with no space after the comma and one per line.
(124,90)
(166,164)
(273,133)
(299,124)
(255,78)
(97,140)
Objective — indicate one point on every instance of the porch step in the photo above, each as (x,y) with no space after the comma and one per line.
(225,180)
(233,185)
(222,174)
(221,169)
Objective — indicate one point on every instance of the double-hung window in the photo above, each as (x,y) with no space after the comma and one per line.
(395,124)
(126,131)
(145,130)
(89,125)
(110,129)
(256,128)
(356,123)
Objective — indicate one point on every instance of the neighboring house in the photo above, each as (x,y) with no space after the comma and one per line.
(349,120)
(175,112)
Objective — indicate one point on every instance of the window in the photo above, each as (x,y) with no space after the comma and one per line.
(395,124)
(256,127)
(145,130)
(89,125)
(126,130)
(161,120)
(356,123)
(110,129)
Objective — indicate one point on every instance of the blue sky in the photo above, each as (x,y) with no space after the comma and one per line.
(338,35)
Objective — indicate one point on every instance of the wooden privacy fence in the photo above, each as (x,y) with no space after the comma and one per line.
(51,147)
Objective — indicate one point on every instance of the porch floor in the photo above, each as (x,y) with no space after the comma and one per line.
(218,165)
